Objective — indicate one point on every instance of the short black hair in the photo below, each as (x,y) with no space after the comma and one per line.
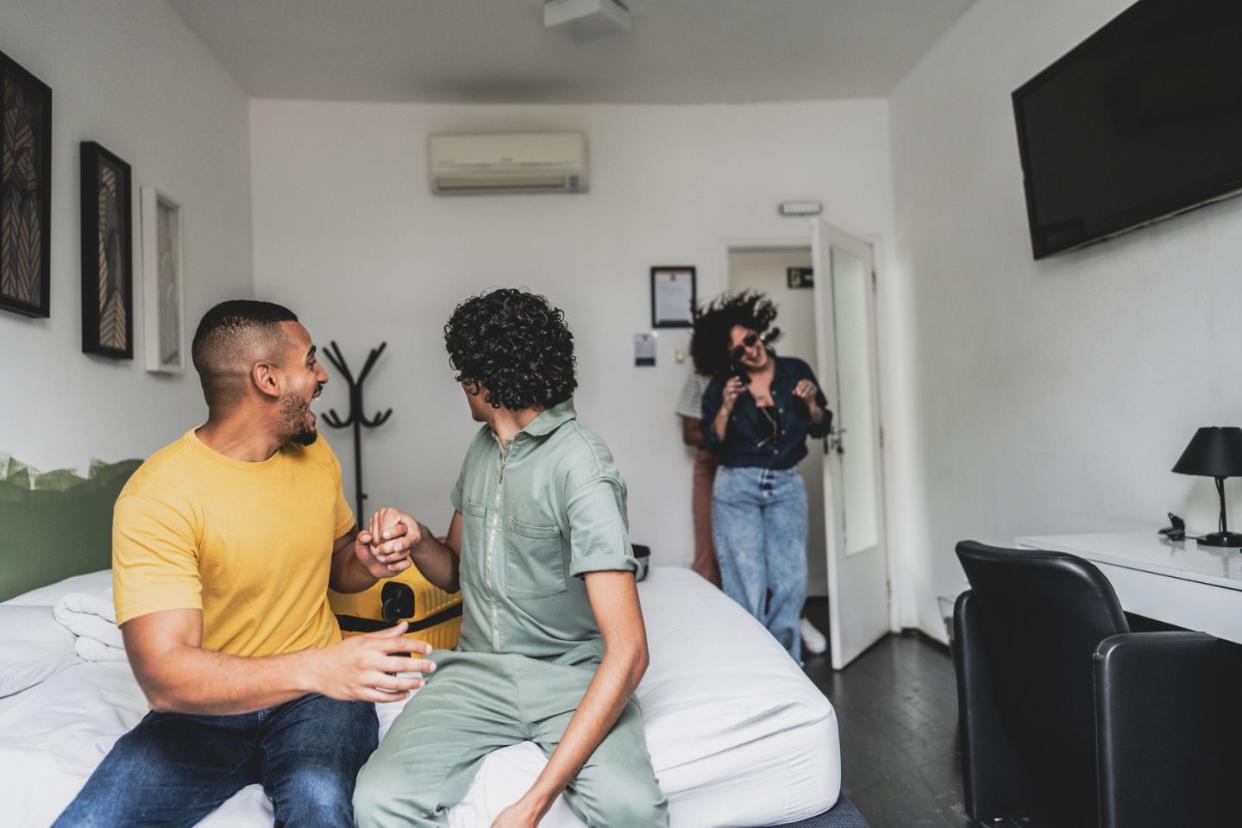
(516,344)
(713,324)
(227,334)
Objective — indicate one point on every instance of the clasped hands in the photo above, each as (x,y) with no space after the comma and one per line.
(384,547)
(384,665)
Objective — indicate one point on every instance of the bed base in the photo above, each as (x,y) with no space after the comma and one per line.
(841,815)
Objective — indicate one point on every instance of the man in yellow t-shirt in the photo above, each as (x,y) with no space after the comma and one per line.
(224,546)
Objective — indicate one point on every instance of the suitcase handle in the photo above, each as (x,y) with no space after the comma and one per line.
(397,602)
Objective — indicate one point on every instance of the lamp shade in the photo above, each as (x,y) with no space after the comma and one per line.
(1213,452)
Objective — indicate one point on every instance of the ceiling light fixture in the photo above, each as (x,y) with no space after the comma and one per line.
(587,16)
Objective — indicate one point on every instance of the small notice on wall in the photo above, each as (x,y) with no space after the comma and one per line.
(800,277)
(645,349)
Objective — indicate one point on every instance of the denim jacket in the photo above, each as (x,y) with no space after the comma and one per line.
(746,444)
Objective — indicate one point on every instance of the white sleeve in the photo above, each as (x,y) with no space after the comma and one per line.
(690,403)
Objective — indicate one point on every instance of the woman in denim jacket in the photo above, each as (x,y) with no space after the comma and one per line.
(758,411)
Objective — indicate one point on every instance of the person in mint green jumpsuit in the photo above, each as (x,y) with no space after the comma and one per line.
(539,545)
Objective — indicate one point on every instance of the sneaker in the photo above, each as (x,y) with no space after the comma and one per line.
(812,639)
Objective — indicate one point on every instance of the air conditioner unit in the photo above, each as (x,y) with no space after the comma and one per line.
(515,162)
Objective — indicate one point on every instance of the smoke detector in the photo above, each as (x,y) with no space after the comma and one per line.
(587,16)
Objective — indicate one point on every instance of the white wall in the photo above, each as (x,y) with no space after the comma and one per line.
(130,75)
(347,233)
(1050,396)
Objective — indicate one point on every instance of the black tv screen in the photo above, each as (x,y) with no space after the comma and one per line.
(1140,121)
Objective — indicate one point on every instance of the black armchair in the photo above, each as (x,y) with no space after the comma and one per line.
(1067,714)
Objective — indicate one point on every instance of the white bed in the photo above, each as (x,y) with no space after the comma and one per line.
(738,735)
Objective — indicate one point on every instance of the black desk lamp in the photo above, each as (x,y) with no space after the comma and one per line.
(1215,452)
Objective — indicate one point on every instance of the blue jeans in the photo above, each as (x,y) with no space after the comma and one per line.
(175,768)
(759,527)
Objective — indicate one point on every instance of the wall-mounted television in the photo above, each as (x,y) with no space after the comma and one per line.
(1140,121)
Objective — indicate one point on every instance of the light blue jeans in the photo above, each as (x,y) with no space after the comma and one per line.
(759,527)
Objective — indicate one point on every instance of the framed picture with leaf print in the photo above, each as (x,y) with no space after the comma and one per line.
(107,254)
(25,191)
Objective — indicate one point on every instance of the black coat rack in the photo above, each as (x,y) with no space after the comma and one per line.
(356,418)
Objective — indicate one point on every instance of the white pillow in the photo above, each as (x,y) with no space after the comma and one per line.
(49,595)
(33,646)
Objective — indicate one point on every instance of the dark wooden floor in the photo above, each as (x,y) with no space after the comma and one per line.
(900,753)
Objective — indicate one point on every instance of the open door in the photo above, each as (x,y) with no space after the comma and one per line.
(858,590)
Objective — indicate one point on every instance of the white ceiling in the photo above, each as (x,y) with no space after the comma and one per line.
(492,51)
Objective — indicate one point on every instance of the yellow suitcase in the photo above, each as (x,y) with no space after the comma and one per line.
(434,615)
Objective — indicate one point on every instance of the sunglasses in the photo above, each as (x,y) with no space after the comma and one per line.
(751,340)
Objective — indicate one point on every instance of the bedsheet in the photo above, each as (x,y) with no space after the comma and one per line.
(737,733)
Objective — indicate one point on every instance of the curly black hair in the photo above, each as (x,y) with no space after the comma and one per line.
(713,323)
(516,345)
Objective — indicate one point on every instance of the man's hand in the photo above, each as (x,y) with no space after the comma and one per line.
(384,546)
(363,668)
(520,814)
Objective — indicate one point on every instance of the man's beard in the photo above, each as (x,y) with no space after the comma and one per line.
(293,414)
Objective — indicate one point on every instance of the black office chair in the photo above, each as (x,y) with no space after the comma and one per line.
(1066,714)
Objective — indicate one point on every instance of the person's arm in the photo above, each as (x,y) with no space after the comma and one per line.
(718,401)
(691,433)
(401,535)
(178,676)
(808,392)
(729,394)
(157,589)
(355,565)
(614,599)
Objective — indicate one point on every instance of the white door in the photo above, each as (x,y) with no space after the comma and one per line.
(858,594)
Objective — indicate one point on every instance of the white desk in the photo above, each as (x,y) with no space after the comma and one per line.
(1191,586)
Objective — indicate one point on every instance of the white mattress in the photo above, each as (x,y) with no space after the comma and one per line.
(738,735)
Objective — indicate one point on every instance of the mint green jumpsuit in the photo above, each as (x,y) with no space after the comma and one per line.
(537,515)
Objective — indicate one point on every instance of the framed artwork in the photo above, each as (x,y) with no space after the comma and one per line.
(800,277)
(672,297)
(107,254)
(25,192)
(163,322)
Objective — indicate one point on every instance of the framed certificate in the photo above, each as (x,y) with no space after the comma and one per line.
(672,297)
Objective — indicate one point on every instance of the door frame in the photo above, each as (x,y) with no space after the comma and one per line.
(790,241)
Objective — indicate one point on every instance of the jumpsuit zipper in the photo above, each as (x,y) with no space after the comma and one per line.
(491,548)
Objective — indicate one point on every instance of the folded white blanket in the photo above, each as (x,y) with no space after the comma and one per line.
(91,617)
(88,649)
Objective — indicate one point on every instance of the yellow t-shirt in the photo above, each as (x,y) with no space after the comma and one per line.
(250,544)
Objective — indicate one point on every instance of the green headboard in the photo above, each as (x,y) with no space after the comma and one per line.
(55,524)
